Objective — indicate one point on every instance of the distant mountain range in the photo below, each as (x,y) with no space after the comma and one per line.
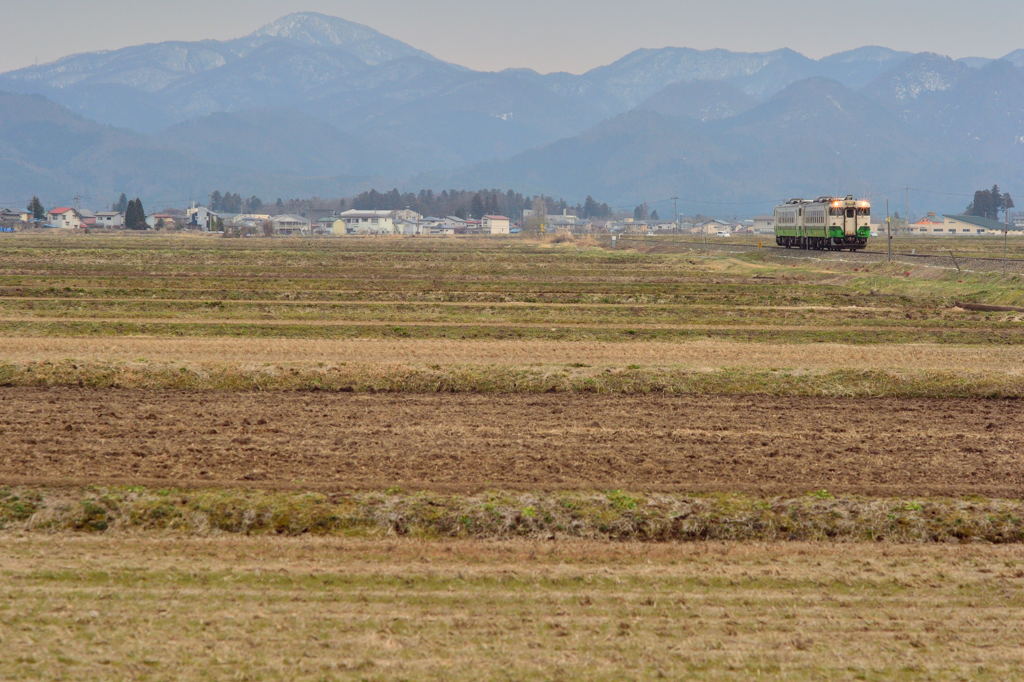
(315,105)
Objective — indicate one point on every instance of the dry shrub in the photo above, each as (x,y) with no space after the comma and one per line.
(610,515)
(560,237)
(491,378)
(567,238)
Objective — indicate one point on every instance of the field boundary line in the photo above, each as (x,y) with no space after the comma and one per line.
(509,325)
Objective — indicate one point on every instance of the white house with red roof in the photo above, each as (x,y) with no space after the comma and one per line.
(495,224)
(65,217)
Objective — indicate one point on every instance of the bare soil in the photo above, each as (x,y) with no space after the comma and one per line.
(469,442)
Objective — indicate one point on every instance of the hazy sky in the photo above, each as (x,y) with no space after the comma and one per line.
(547,35)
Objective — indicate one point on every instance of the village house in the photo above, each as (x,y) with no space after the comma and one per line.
(663,226)
(456,224)
(763,224)
(410,227)
(163,221)
(290,225)
(12,219)
(713,226)
(64,217)
(249,220)
(200,218)
(324,225)
(564,220)
(88,217)
(109,219)
(355,221)
(930,224)
(495,224)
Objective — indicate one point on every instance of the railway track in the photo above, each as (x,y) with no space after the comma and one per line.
(949,262)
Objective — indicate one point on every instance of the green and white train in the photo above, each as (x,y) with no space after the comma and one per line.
(826,223)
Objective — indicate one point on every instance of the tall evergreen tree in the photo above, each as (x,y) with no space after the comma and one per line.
(1002,200)
(253,205)
(141,213)
(35,207)
(129,215)
(491,205)
(121,205)
(476,206)
(135,215)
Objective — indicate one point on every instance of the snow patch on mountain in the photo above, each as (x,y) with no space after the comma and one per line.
(321,30)
(914,85)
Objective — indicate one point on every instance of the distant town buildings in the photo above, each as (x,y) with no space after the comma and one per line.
(408,222)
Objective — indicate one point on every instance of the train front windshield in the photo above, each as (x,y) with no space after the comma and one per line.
(849,212)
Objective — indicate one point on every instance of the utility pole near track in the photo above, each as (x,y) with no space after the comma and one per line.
(888,227)
(1006,233)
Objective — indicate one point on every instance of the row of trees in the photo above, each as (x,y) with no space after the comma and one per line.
(642,212)
(133,212)
(988,203)
(234,203)
(473,203)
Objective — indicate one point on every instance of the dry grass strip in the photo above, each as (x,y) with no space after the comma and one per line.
(156,607)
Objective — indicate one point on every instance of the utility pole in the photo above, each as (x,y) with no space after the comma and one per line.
(1006,233)
(888,227)
(675,212)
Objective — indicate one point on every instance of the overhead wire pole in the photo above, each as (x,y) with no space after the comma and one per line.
(1006,233)
(888,227)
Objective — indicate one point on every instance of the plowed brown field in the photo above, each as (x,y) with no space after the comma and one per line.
(469,442)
